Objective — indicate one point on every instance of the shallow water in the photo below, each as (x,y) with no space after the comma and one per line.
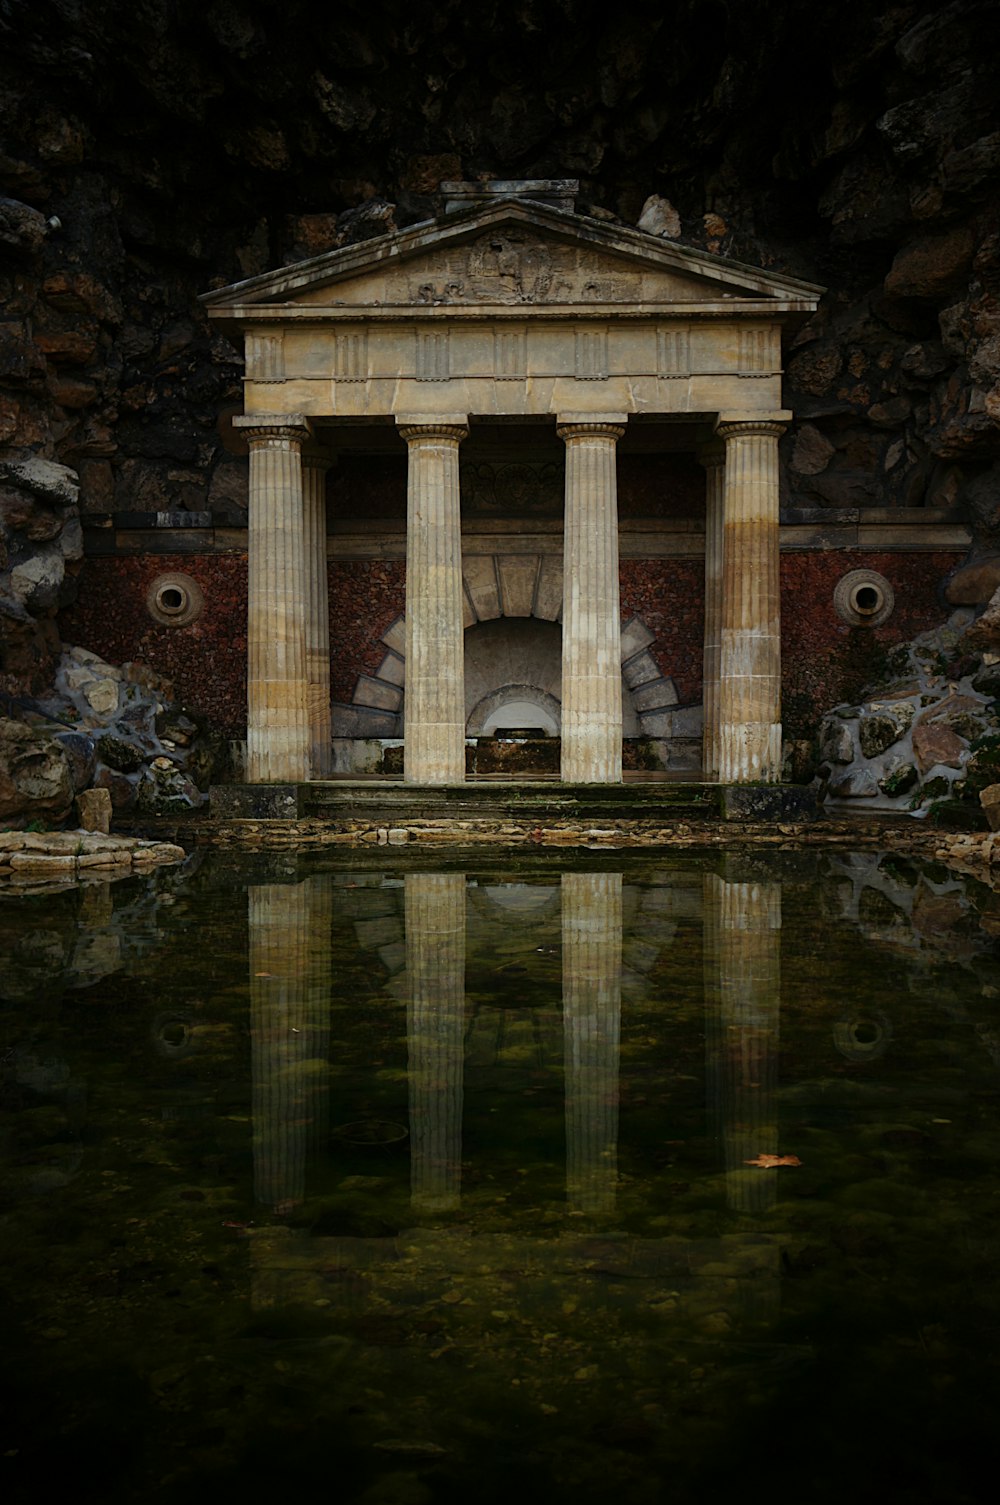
(430,1184)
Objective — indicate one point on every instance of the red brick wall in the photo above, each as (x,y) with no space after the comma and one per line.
(824,661)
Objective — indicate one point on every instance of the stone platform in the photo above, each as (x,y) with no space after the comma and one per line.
(395,804)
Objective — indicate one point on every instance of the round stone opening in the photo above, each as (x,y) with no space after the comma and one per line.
(863,598)
(174,600)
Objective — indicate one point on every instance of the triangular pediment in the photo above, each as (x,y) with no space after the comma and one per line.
(509,255)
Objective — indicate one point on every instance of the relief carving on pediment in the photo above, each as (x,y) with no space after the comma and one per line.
(515,267)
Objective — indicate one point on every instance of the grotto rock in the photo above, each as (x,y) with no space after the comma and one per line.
(858,784)
(899,778)
(836,744)
(883,726)
(987,681)
(81,755)
(93,808)
(35,778)
(659,217)
(119,754)
(974,583)
(984,634)
(990,801)
(936,744)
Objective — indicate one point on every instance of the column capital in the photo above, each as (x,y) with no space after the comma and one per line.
(752,425)
(285,428)
(416,426)
(591,425)
(312,460)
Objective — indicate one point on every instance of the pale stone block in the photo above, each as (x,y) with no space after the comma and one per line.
(635,635)
(655,696)
(394,637)
(102,696)
(640,670)
(94,810)
(377,693)
(393,669)
(364,721)
(549,589)
(517,584)
(480,576)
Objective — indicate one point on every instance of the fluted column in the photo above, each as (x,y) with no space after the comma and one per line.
(750,655)
(314,469)
(278,733)
(712,457)
(591,635)
(742,1007)
(591,989)
(290,954)
(434,703)
(435,1032)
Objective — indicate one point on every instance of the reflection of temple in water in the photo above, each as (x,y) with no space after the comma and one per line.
(506,978)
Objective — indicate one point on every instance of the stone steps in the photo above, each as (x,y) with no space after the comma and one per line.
(506,801)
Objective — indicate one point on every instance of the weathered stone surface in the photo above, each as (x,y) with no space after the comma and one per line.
(94,810)
(80,754)
(974,583)
(35,777)
(899,778)
(936,744)
(659,217)
(812,452)
(990,801)
(984,634)
(836,743)
(858,784)
(881,728)
(119,754)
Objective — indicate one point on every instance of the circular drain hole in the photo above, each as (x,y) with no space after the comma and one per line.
(863,1037)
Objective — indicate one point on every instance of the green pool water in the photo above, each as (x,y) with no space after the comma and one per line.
(449,1181)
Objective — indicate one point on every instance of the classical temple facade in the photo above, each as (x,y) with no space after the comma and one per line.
(512,323)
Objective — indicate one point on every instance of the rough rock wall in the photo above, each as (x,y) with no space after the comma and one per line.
(150,149)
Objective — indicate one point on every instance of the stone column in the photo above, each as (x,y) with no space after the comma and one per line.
(750,654)
(592,991)
(278,732)
(712,457)
(742,948)
(314,470)
(290,958)
(434,697)
(435,1033)
(591,636)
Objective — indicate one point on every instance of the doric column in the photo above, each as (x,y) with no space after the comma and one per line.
(289,958)
(434,703)
(750,656)
(742,948)
(592,992)
(712,457)
(435,1033)
(591,635)
(278,734)
(314,469)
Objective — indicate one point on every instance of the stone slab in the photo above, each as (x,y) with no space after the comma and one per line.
(655,696)
(517,583)
(635,636)
(768,802)
(377,694)
(640,669)
(255,801)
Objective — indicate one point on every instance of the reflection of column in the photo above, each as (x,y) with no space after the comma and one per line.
(742,948)
(434,714)
(750,651)
(278,736)
(592,963)
(713,459)
(435,1030)
(314,469)
(290,956)
(591,657)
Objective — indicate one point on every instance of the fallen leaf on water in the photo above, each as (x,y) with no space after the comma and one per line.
(769,1161)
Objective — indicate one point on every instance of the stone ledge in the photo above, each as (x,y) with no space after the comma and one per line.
(30,857)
